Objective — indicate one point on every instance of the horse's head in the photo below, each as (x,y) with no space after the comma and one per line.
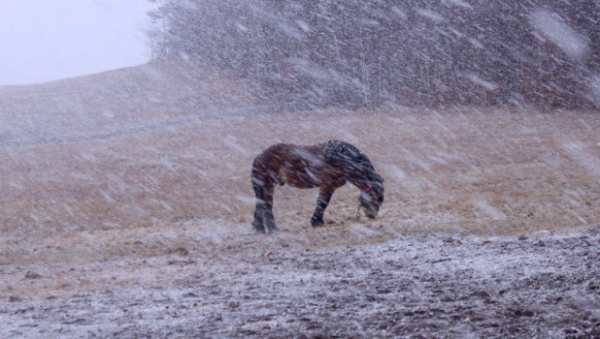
(371,198)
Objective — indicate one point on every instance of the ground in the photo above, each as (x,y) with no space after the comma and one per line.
(126,211)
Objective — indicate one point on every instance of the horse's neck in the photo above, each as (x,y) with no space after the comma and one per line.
(359,181)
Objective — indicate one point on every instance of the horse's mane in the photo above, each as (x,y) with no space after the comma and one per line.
(339,153)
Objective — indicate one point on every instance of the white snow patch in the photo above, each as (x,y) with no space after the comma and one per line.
(458,3)
(594,90)
(552,27)
(108,114)
(476,43)
(309,68)
(396,172)
(107,197)
(484,83)
(372,23)
(247,200)
(489,210)
(577,152)
(303,25)
(434,16)
(399,13)
(234,144)
(578,217)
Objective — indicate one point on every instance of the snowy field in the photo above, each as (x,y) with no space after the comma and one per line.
(126,211)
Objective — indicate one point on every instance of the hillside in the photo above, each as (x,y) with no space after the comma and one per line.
(127,192)
(116,101)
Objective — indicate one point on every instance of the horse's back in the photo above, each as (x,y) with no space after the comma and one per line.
(297,165)
(282,152)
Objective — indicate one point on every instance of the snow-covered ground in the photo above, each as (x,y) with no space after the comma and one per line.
(126,208)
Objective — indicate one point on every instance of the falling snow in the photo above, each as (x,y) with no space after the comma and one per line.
(127,200)
(552,27)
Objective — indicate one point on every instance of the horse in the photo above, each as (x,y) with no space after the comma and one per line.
(328,166)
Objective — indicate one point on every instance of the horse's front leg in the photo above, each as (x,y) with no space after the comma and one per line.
(322,202)
(259,213)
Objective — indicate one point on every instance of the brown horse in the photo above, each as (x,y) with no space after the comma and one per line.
(327,166)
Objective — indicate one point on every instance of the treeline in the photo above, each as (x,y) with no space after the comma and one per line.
(362,53)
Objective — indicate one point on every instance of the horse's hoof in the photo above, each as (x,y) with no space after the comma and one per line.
(317,223)
(272,228)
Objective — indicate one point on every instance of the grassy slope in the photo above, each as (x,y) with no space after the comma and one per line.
(93,167)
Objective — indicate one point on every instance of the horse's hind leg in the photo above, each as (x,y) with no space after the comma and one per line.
(259,212)
(268,210)
(263,213)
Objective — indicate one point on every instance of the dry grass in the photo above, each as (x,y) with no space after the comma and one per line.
(486,171)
